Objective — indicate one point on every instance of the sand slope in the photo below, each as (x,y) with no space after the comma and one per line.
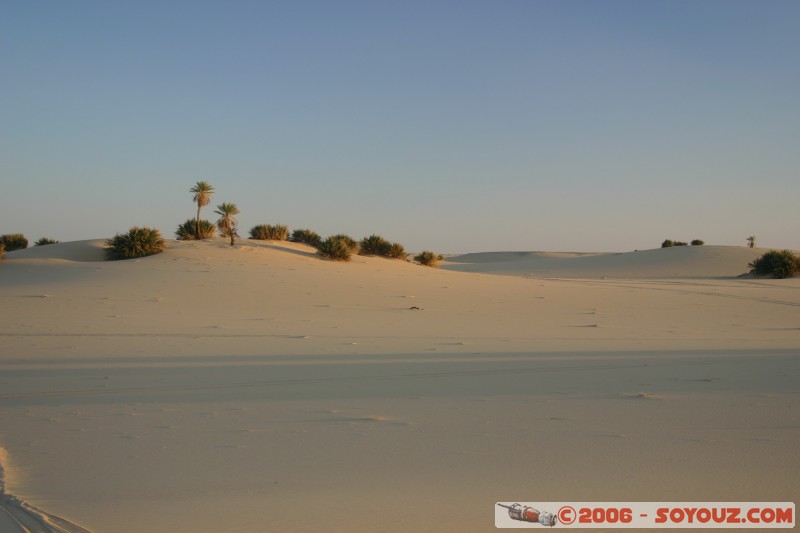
(710,262)
(214,388)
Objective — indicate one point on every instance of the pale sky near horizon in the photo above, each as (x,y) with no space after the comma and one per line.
(455,126)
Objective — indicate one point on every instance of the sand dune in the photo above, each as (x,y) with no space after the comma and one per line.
(258,387)
(713,262)
(80,251)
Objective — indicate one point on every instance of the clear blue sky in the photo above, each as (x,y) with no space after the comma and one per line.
(449,125)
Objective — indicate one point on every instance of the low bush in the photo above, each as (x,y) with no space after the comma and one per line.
(427,258)
(377,245)
(779,264)
(351,243)
(44,241)
(306,236)
(697,242)
(397,251)
(137,242)
(667,244)
(680,243)
(188,230)
(374,245)
(14,241)
(336,248)
(265,232)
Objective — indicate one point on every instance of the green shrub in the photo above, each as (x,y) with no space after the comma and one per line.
(697,242)
(44,241)
(680,243)
(780,264)
(667,244)
(374,245)
(397,251)
(188,230)
(351,243)
(306,236)
(265,232)
(137,242)
(336,248)
(14,241)
(427,258)
(377,245)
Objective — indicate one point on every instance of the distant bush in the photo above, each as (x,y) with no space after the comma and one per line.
(14,241)
(265,232)
(351,243)
(780,264)
(428,258)
(336,248)
(667,244)
(397,251)
(374,245)
(697,242)
(138,242)
(188,230)
(680,243)
(377,245)
(306,236)
(44,241)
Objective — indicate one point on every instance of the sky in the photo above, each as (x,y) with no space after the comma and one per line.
(453,126)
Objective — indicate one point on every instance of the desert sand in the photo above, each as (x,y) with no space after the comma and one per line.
(259,388)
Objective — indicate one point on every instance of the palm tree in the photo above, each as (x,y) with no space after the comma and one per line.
(202,196)
(751,241)
(227,220)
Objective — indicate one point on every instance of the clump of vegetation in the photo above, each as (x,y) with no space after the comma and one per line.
(670,243)
(377,245)
(397,251)
(779,264)
(427,258)
(306,236)
(374,245)
(2,250)
(188,230)
(751,241)
(44,241)
(680,243)
(227,220)
(14,241)
(351,243)
(697,242)
(137,242)
(202,196)
(336,248)
(265,232)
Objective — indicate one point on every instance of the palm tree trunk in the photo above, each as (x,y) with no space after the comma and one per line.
(197,224)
